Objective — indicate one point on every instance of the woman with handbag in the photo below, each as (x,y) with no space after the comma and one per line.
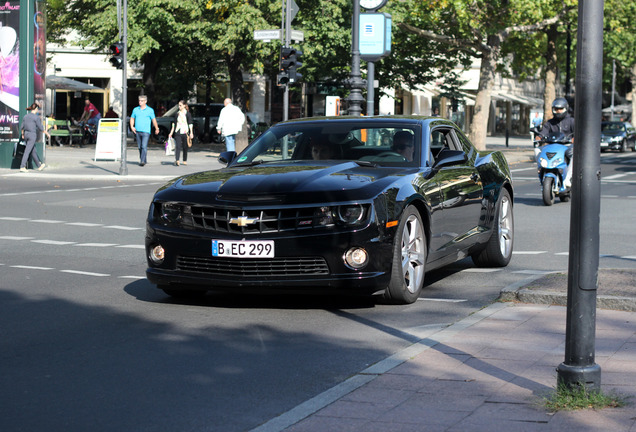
(31,126)
(183,134)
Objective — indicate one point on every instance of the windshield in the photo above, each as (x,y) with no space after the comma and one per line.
(393,145)
(607,127)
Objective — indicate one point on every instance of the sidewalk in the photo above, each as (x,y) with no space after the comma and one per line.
(74,162)
(487,372)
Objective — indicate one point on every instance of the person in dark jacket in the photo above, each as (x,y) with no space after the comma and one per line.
(563,122)
(182,129)
(31,126)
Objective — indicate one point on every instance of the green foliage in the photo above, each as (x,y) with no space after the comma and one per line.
(619,39)
(568,398)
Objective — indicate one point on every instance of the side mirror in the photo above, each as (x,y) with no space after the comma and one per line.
(227,157)
(450,157)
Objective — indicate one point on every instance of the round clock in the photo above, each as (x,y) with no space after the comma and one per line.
(372,4)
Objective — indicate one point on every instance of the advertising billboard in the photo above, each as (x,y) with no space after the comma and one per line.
(9,70)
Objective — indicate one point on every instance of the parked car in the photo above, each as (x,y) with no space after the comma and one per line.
(198,117)
(367,220)
(618,135)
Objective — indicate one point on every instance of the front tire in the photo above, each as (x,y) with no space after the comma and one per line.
(409,259)
(498,250)
(548,193)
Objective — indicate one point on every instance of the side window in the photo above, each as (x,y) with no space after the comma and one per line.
(441,139)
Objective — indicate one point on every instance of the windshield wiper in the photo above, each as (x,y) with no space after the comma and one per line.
(246,164)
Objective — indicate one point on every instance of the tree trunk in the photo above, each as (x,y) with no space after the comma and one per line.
(479,125)
(633,93)
(151,62)
(236,80)
(549,92)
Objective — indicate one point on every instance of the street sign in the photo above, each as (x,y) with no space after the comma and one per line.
(270,35)
(267,35)
(297,35)
(375,36)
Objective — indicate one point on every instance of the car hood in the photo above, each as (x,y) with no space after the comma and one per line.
(294,182)
(613,133)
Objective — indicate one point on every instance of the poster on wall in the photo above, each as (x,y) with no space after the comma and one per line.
(39,55)
(9,70)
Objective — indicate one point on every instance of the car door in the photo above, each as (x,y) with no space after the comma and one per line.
(461,193)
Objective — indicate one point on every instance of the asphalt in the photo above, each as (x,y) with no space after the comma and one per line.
(491,371)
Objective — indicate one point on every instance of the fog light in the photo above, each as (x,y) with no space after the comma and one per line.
(157,254)
(356,258)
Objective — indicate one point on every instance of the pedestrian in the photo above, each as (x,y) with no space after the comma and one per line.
(111,113)
(182,130)
(230,123)
(141,119)
(31,126)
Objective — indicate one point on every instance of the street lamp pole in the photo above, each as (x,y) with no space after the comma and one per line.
(355,98)
(123,166)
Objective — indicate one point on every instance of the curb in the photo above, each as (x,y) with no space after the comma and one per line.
(518,293)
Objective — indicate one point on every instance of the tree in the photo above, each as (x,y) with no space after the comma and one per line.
(479,28)
(620,40)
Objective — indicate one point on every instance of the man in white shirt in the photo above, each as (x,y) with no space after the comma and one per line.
(230,123)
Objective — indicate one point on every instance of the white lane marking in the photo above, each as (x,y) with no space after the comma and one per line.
(96,244)
(13,218)
(132,277)
(630,257)
(46,221)
(84,224)
(523,169)
(119,227)
(132,246)
(528,252)
(15,238)
(481,270)
(32,267)
(615,176)
(563,253)
(84,273)
(442,300)
(53,242)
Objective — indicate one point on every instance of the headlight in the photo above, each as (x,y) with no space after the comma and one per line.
(171,213)
(616,139)
(350,214)
(323,216)
(543,162)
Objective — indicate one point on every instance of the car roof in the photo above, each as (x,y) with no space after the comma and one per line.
(385,119)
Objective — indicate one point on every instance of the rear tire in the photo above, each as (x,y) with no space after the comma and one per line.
(409,259)
(548,194)
(498,250)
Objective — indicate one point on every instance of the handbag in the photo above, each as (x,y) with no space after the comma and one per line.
(189,140)
(170,146)
(19,148)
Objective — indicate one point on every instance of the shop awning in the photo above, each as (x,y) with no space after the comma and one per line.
(63,83)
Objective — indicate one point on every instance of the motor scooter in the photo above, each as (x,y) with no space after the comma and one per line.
(552,166)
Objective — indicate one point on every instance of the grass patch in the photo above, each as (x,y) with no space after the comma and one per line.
(570,398)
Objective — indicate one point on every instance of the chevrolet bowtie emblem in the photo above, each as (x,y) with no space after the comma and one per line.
(243,221)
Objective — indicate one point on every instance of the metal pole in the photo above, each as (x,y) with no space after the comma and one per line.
(370,89)
(355,98)
(123,166)
(579,368)
(287,13)
(613,87)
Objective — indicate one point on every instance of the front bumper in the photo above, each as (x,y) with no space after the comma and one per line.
(302,262)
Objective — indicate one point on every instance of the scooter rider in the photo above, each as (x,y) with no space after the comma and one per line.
(563,122)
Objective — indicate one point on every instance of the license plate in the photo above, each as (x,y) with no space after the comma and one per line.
(243,248)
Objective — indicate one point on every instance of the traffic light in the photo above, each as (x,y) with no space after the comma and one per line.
(289,62)
(117,52)
(294,57)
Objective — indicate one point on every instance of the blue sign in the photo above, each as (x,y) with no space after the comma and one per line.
(375,36)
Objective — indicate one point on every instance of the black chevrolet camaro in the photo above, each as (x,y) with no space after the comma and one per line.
(334,204)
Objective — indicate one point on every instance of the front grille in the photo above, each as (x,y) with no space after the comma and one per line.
(251,268)
(255,221)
